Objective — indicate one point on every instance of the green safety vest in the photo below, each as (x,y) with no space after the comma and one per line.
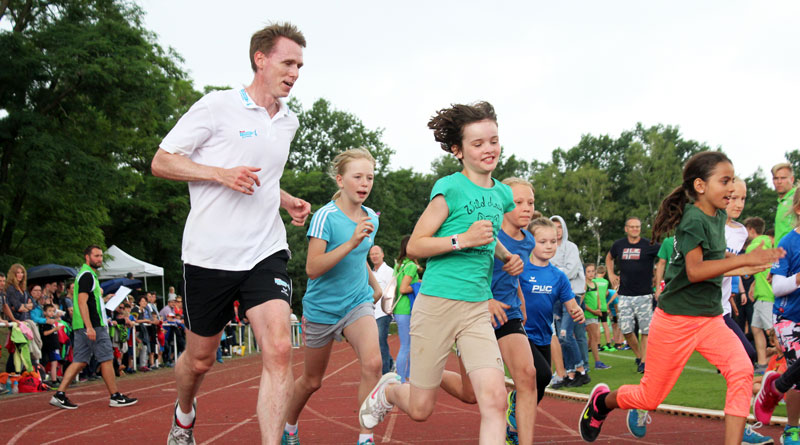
(77,317)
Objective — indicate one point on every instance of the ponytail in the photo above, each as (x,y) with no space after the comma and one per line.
(670,213)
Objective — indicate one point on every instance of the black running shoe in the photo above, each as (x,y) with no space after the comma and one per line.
(590,421)
(119,400)
(60,400)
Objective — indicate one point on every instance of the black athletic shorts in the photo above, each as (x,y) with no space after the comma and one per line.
(604,317)
(208,294)
(513,326)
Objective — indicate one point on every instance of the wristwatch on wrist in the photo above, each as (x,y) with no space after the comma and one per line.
(454,242)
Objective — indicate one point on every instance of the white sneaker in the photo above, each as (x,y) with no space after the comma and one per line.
(373,409)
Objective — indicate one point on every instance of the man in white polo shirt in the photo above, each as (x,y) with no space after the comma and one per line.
(384,274)
(231,147)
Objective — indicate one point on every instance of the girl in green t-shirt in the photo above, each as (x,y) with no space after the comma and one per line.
(457,232)
(407,274)
(689,314)
(595,307)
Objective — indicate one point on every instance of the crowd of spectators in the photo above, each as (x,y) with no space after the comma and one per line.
(42,311)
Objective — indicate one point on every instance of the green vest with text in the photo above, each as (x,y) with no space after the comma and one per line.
(77,316)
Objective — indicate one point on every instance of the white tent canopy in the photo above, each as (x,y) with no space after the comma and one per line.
(117,264)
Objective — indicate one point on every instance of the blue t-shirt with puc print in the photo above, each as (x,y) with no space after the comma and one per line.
(346,285)
(504,286)
(542,287)
(788,306)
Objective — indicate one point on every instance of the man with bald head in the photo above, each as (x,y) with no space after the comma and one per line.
(384,275)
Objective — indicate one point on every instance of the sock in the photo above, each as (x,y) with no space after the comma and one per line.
(291,429)
(363,438)
(600,404)
(638,360)
(778,385)
(185,420)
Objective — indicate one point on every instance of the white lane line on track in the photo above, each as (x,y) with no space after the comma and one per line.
(30,426)
(48,395)
(222,434)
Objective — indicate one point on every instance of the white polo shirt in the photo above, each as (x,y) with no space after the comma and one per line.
(384,275)
(227,229)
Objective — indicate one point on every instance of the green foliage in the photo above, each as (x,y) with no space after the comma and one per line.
(601,181)
(325,132)
(88,94)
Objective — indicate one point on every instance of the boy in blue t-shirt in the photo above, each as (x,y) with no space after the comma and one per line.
(542,284)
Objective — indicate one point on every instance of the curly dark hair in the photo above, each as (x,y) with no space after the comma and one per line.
(448,123)
(670,212)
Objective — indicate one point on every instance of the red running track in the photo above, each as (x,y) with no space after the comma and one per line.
(226,413)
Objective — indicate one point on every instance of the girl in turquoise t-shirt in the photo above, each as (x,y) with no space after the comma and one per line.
(457,232)
(342,289)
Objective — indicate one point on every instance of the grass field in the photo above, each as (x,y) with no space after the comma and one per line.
(699,386)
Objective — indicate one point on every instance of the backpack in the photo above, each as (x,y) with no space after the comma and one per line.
(31,382)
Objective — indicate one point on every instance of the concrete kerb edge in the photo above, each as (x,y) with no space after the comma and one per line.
(663,408)
(666,409)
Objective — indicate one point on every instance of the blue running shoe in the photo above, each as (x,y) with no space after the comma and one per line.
(290,439)
(511,412)
(600,365)
(791,435)
(751,436)
(637,422)
(511,437)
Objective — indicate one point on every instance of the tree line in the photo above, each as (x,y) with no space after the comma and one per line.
(87,94)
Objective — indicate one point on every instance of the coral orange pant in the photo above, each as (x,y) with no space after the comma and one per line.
(672,340)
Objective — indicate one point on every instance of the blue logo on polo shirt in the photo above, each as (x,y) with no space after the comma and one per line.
(247,134)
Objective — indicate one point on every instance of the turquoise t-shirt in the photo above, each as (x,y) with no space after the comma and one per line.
(466,274)
(346,285)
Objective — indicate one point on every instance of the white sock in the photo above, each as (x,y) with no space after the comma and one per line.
(291,429)
(185,419)
(363,438)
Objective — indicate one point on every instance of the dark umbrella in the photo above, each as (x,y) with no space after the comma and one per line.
(51,272)
(112,286)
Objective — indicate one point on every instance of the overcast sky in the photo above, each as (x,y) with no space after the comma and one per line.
(726,72)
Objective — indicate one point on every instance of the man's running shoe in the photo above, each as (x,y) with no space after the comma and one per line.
(289,438)
(751,436)
(60,400)
(590,421)
(119,400)
(375,406)
(511,412)
(511,437)
(767,398)
(624,347)
(637,422)
(600,365)
(585,379)
(640,368)
(179,435)
(791,435)
(366,442)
